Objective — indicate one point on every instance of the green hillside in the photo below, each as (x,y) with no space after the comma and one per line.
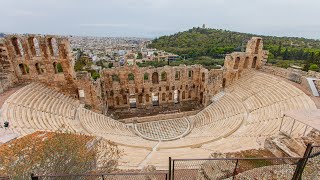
(215,43)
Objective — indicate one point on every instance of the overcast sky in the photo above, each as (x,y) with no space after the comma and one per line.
(152,18)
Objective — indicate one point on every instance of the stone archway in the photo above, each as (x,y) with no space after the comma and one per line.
(254,62)
(155,78)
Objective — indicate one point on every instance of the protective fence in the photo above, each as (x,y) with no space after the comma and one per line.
(233,168)
(306,167)
(115,176)
(312,167)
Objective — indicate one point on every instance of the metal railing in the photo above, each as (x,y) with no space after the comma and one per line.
(312,165)
(306,167)
(291,125)
(233,168)
(110,176)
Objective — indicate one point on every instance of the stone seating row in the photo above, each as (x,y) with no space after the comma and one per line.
(100,125)
(24,120)
(37,96)
(227,106)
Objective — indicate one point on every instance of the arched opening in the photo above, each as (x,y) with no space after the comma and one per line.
(177,75)
(117,101)
(254,62)
(155,78)
(140,98)
(183,95)
(17,46)
(57,68)
(163,76)
(203,77)
(170,96)
(163,96)
(23,69)
(176,96)
(190,74)
(224,82)
(236,63)
(115,78)
(146,77)
(257,46)
(63,51)
(53,47)
(246,62)
(201,97)
(131,77)
(133,102)
(124,98)
(38,68)
(155,99)
(147,97)
(189,94)
(34,46)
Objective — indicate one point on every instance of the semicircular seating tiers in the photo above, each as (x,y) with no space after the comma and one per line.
(266,98)
(250,111)
(36,107)
(100,125)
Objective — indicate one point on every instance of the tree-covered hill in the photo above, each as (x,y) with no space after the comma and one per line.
(216,43)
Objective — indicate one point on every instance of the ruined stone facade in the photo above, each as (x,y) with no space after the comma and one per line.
(237,62)
(48,59)
(134,87)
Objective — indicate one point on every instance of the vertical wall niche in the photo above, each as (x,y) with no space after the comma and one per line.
(57,68)
(163,96)
(133,102)
(254,62)
(246,62)
(24,69)
(256,50)
(190,74)
(53,46)
(176,96)
(155,99)
(155,78)
(39,68)
(203,77)
(17,46)
(236,63)
(201,97)
(34,46)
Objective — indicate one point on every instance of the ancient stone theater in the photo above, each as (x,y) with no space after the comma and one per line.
(153,113)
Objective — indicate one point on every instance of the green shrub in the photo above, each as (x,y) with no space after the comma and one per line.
(313,67)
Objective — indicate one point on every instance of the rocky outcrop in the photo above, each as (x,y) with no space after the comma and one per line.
(284,145)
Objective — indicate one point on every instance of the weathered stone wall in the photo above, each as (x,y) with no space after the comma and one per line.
(47,59)
(91,90)
(131,86)
(295,75)
(289,73)
(7,78)
(238,62)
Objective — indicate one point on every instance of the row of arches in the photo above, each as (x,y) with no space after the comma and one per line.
(24,68)
(246,63)
(34,46)
(154,97)
(155,76)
